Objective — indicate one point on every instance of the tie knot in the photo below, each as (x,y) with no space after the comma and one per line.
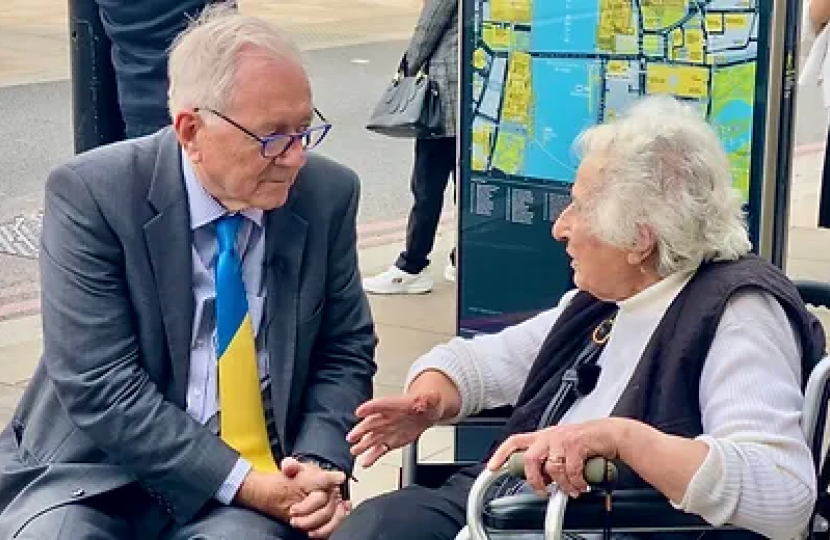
(226,228)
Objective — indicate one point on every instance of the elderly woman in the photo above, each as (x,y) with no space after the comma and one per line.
(698,383)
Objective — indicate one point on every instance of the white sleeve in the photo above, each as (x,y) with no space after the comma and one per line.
(490,370)
(759,472)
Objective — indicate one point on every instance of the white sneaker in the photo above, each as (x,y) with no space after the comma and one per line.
(450,273)
(396,281)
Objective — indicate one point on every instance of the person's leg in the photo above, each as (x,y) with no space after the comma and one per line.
(434,163)
(74,521)
(412,513)
(434,160)
(219,522)
(141,33)
(824,191)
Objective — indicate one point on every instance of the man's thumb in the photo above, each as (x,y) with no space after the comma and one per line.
(333,478)
(290,467)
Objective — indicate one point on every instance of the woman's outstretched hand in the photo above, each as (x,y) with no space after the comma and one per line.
(389,423)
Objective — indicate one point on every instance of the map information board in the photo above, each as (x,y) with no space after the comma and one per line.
(535,74)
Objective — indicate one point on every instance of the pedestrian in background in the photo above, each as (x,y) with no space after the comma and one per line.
(141,34)
(816,70)
(434,48)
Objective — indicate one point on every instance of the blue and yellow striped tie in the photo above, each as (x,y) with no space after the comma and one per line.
(242,420)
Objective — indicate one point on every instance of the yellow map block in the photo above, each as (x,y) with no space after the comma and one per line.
(617,69)
(509,153)
(482,140)
(615,18)
(496,36)
(694,39)
(653,44)
(681,81)
(737,21)
(518,91)
(694,45)
(516,11)
(482,135)
(677,38)
(479,58)
(714,22)
(661,14)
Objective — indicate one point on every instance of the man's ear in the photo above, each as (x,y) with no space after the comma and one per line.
(644,246)
(188,124)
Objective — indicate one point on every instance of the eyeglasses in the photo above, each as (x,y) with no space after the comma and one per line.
(276,145)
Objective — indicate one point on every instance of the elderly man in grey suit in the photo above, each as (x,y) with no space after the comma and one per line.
(149,248)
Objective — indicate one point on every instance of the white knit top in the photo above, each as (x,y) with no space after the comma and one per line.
(758,473)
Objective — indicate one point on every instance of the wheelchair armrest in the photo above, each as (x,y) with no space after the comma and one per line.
(431,475)
(488,417)
(814,293)
(632,511)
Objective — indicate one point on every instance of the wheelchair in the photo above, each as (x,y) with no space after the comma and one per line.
(634,510)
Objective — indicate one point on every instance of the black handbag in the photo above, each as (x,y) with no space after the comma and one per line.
(409,108)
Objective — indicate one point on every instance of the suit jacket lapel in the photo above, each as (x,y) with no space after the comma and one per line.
(285,235)
(169,241)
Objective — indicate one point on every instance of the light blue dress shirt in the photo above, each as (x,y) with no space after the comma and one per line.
(202,387)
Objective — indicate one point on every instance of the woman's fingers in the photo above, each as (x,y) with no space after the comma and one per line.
(386,437)
(575,473)
(373,454)
(367,426)
(512,444)
(385,406)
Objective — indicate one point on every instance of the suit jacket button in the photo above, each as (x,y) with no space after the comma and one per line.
(78,493)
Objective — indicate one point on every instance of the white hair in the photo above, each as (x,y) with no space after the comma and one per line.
(663,167)
(203,58)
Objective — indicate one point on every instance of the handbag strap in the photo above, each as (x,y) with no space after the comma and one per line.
(403,68)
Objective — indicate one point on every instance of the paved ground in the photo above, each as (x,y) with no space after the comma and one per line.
(34,44)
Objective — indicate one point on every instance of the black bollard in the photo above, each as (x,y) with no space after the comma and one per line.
(96,116)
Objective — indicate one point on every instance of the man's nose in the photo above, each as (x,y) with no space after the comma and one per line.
(294,156)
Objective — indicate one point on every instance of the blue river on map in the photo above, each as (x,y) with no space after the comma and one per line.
(565,26)
(564,105)
(735,114)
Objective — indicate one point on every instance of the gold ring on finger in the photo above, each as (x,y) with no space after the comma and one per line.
(556,459)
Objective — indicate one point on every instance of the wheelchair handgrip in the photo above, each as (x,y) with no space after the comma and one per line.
(598,470)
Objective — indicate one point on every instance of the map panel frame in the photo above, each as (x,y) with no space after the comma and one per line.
(516,159)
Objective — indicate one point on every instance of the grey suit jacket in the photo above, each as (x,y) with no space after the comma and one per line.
(106,404)
(434,45)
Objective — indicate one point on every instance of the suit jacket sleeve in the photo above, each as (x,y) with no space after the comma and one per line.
(340,377)
(92,356)
(435,16)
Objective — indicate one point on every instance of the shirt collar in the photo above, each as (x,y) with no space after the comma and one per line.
(204,209)
(657,296)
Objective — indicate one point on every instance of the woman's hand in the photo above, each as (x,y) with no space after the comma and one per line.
(392,422)
(558,454)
